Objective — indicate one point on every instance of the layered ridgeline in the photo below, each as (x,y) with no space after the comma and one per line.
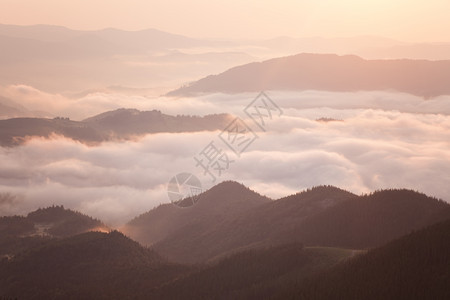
(328,72)
(110,266)
(118,124)
(416,266)
(56,253)
(92,60)
(229,218)
(311,244)
(33,55)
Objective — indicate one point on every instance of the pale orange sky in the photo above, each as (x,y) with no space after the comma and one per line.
(407,20)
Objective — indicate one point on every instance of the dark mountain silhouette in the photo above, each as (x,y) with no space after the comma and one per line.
(18,233)
(257,249)
(58,222)
(16,131)
(63,222)
(252,274)
(219,204)
(92,265)
(111,266)
(372,220)
(258,227)
(126,122)
(328,72)
(118,124)
(322,216)
(416,266)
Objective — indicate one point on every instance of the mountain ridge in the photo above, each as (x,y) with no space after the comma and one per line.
(218,203)
(330,72)
(322,216)
(414,266)
(120,124)
(246,246)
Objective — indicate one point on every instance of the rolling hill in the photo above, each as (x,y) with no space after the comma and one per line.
(372,220)
(252,274)
(328,72)
(121,124)
(323,216)
(261,226)
(18,233)
(249,247)
(416,266)
(92,265)
(218,204)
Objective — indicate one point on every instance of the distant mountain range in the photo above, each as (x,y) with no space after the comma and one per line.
(58,59)
(120,124)
(328,72)
(105,41)
(61,60)
(318,244)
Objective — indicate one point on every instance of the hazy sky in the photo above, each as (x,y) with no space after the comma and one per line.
(408,20)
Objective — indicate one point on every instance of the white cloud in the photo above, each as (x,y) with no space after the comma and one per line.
(399,146)
(334,104)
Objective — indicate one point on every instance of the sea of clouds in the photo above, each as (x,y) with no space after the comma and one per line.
(379,140)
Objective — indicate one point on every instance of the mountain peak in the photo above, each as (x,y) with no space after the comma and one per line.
(60,222)
(230,192)
(228,184)
(315,199)
(113,113)
(222,202)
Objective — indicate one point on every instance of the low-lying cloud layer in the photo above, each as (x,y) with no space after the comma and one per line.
(384,140)
(90,104)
